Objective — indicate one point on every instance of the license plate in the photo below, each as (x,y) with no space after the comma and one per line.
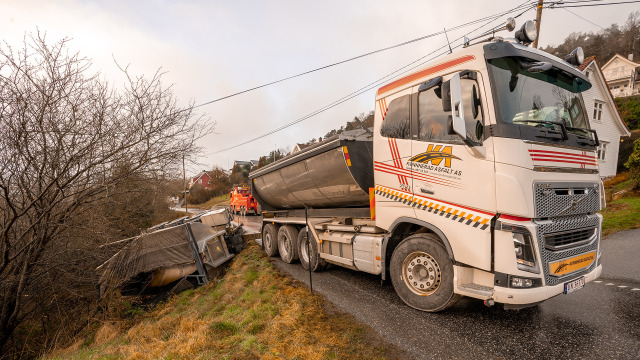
(574,285)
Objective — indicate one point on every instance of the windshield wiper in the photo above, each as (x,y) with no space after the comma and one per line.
(562,134)
(585,140)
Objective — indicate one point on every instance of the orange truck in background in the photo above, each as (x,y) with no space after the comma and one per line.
(242,202)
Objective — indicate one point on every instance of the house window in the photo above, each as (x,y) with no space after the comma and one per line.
(597,110)
(396,123)
(602,151)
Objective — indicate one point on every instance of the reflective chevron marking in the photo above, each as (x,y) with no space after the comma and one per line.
(476,219)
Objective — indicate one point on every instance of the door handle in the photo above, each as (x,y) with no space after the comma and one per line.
(427,191)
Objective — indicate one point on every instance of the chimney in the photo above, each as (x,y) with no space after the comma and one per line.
(320,139)
(630,57)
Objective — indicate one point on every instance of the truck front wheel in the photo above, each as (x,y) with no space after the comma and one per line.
(308,252)
(288,243)
(422,273)
(269,239)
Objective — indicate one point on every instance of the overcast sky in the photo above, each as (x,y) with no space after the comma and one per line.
(210,49)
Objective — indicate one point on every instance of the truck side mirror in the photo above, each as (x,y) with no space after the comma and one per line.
(445,95)
(457,109)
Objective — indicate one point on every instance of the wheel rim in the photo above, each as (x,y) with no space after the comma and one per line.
(267,241)
(304,249)
(284,245)
(421,273)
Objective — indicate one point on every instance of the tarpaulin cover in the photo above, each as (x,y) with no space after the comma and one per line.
(148,252)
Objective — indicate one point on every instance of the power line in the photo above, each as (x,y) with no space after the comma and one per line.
(376,83)
(591,22)
(576,1)
(355,58)
(560,6)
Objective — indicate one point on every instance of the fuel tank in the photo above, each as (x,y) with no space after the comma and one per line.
(337,172)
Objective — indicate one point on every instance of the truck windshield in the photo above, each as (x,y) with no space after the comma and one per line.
(537,94)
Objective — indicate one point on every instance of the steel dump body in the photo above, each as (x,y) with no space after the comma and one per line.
(334,173)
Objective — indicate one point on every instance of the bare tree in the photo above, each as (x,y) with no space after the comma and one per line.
(69,140)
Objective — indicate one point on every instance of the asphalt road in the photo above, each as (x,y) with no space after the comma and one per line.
(599,321)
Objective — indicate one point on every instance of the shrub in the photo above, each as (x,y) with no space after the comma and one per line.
(633,164)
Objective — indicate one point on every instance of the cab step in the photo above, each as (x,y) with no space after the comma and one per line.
(480,291)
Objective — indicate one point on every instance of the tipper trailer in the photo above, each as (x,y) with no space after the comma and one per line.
(479,179)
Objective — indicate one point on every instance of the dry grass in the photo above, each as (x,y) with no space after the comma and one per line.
(619,178)
(214,201)
(254,312)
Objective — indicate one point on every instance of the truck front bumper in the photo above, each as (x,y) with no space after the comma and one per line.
(516,296)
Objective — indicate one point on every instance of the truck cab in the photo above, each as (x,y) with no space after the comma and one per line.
(242,202)
(490,150)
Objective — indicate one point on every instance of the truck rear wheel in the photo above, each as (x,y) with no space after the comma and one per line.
(422,273)
(270,239)
(309,256)
(288,243)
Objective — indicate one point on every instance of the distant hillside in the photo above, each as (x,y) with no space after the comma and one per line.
(365,119)
(622,39)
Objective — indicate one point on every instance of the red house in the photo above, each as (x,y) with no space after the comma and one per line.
(201,179)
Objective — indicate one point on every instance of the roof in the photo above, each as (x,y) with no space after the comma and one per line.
(201,174)
(592,63)
(621,57)
(242,162)
(586,63)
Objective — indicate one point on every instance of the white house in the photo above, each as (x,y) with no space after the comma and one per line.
(622,75)
(604,118)
(299,147)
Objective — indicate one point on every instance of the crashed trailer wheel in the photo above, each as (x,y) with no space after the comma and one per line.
(422,273)
(288,243)
(309,255)
(270,239)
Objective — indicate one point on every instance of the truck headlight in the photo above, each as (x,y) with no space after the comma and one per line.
(576,57)
(523,246)
(519,282)
(525,256)
(527,33)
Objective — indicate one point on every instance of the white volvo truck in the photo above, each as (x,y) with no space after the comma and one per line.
(479,179)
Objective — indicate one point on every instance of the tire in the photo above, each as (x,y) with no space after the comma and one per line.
(424,287)
(270,239)
(317,263)
(288,243)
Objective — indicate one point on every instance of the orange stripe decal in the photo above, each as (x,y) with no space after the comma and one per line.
(424,73)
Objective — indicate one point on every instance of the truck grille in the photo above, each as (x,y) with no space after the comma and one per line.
(565,239)
(559,226)
(562,199)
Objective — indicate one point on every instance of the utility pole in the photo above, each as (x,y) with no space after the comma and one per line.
(538,19)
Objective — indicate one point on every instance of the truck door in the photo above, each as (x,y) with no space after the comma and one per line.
(453,183)
(392,136)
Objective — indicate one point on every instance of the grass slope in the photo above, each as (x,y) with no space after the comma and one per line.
(214,201)
(623,205)
(622,214)
(253,312)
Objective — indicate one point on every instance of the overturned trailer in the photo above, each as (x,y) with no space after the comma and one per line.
(173,256)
